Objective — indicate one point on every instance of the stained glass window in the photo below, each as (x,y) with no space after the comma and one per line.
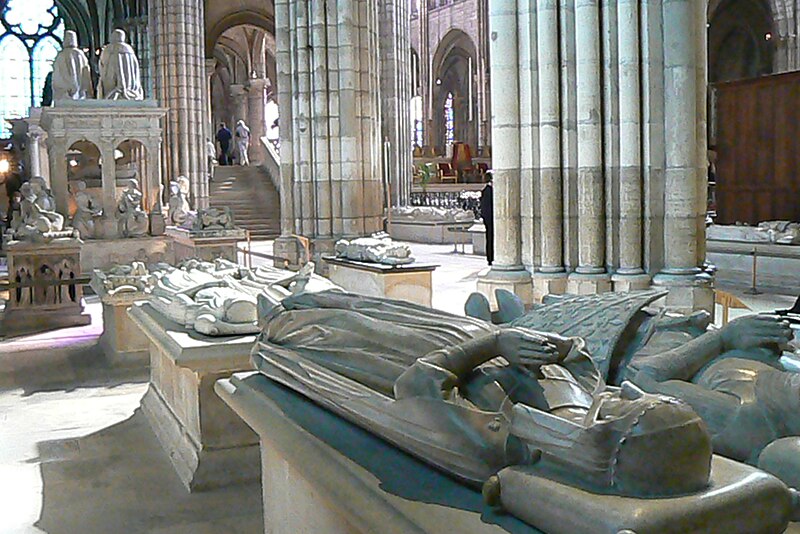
(449,126)
(417,121)
(31,32)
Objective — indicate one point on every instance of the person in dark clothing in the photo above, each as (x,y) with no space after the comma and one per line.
(487,213)
(224,137)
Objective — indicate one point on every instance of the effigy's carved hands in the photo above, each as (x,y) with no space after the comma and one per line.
(755,331)
(524,347)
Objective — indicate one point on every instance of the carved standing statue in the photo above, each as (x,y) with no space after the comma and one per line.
(131,218)
(120,78)
(242,134)
(86,212)
(179,201)
(72,76)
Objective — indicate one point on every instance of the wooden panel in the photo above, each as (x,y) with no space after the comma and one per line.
(758,141)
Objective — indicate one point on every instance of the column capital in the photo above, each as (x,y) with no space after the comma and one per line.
(238,90)
(211,66)
(258,84)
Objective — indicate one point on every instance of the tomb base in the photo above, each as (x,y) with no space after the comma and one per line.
(208,445)
(206,245)
(430,232)
(322,474)
(122,341)
(103,254)
(42,294)
(412,283)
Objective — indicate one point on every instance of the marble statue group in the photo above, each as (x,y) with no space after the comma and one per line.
(120,77)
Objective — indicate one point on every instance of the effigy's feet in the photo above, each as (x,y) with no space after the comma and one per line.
(510,306)
(477,307)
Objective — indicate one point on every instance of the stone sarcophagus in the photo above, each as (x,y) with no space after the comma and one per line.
(44,291)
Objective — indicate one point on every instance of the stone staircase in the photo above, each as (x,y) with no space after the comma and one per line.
(250,192)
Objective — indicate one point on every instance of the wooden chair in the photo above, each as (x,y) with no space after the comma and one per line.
(447,173)
(728,302)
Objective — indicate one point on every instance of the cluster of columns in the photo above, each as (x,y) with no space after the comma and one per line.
(250,104)
(787,46)
(599,136)
(396,83)
(329,89)
(178,71)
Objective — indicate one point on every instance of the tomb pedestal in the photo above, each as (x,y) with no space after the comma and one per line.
(122,341)
(205,245)
(208,445)
(43,294)
(106,253)
(431,232)
(321,473)
(412,282)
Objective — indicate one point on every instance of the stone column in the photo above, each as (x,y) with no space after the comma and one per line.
(328,78)
(180,85)
(551,276)
(590,275)
(57,152)
(109,178)
(684,122)
(34,152)
(240,105)
(211,67)
(257,121)
(507,271)
(630,274)
(396,96)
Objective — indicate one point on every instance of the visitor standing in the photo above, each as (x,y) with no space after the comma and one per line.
(487,213)
(243,143)
(224,137)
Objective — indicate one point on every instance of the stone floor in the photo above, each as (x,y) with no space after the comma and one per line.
(77,456)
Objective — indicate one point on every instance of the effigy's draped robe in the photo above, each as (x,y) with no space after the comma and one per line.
(390,336)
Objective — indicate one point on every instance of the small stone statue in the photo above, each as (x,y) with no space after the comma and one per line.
(44,198)
(131,218)
(86,212)
(120,78)
(72,76)
(179,201)
(377,249)
(209,219)
(35,223)
(242,134)
(133,278)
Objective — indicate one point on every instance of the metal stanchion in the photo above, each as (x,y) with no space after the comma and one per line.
(249,250)
(754,285)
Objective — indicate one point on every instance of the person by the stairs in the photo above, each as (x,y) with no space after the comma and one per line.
(487,213)
(224,137)
(211,155)
(243,143)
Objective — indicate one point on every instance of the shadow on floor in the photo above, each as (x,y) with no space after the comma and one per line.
(120,480)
